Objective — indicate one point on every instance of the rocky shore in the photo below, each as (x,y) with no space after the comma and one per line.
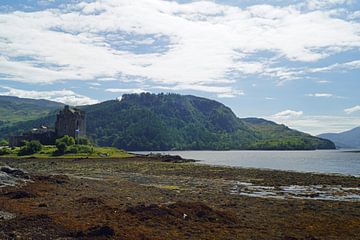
(152,197)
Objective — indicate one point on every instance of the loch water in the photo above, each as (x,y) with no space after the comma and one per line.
(345,162)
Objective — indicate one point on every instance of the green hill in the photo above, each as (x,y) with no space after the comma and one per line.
(275,136)
(162,122)
(171,121)
(14,109)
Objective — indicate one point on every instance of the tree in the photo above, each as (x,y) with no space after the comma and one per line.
(5,151)
(29,148)
(62,144)
(3,142)
(83,141)
(80,149)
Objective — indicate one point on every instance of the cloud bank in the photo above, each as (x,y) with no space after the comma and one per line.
(64,96)
(196,44)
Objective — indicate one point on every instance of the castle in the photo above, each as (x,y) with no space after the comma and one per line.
(69,121)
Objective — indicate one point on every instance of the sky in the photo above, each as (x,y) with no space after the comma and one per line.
(294,62)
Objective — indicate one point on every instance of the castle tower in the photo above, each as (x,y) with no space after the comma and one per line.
(71,122)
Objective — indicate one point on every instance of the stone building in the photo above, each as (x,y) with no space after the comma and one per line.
(69,121)
(42,134)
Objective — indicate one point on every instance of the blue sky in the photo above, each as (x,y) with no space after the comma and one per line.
(294,62)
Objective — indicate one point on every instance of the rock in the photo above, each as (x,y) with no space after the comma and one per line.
(6,215)
(14,172)
(169,158)
(103,154)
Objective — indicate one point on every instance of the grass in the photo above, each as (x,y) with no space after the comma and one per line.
(48,150)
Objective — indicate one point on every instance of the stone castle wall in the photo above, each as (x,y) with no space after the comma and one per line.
(45,138)
(70,122)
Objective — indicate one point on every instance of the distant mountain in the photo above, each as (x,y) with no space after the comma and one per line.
(171,121)
(348,139)
(14,109)
(278,136)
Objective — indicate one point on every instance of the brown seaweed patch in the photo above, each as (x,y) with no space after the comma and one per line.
(19,194)
(182,211)
(57,179)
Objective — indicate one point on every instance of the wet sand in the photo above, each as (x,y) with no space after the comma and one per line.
(149,198)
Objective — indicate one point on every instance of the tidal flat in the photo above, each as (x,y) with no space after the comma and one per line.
(149,198)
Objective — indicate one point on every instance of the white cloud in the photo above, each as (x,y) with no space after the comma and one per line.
(322,95)
(287,114)
(355,15)
(352,109)
(125,90)
(204,41)
(94,84)
(323,81)
(221,92)
(337,66)
(319,4)
(63,96)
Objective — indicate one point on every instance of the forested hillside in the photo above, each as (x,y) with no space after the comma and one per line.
(171,121)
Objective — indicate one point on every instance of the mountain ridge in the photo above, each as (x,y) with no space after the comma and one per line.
(14,109)
(346,139)
(183,122)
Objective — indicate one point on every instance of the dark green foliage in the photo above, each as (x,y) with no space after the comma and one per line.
(3,142)
(61,147)
(80,149)
(274,136)
(67,144)
(165,121)
(63,144)
(30,148)
(83,141)
(5,151)
(171,121)
(69,141)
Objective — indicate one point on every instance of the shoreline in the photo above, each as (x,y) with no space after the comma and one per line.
(146,198)
(168,153)
(277,170)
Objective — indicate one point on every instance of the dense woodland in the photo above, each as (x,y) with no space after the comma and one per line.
(171,121)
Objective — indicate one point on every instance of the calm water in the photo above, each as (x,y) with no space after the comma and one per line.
(324,161)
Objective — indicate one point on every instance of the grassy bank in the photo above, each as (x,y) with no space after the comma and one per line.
(49,151)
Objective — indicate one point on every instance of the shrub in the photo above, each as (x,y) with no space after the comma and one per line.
(80,149)
(3,142)
(62,144)
(61,147)
(29,148)
(83,141)
(5,151)
(69,141)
